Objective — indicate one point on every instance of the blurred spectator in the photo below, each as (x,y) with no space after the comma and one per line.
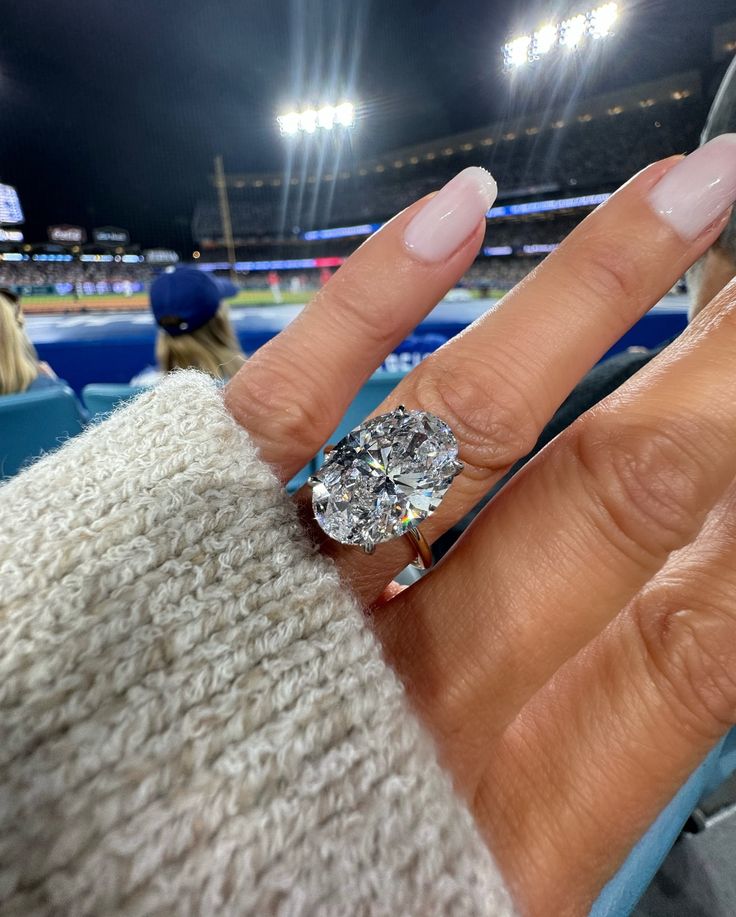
(194,329)
(20,368)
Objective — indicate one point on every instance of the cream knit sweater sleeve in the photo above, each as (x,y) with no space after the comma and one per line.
(194,717)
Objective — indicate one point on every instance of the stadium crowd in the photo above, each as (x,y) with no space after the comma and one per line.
(51,273)
(498,273)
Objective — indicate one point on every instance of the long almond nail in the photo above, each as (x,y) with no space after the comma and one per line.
(699,189)
(451,216)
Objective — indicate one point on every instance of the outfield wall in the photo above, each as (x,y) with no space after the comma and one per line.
(114,347)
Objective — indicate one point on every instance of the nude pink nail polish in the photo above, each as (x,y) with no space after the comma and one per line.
(446,221)
(699,189)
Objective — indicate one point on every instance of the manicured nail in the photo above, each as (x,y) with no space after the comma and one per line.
(446,221)
(699,189)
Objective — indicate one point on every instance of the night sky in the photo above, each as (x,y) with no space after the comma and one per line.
(111,112)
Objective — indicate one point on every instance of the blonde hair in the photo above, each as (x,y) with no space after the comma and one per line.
(212,348)
(18,362)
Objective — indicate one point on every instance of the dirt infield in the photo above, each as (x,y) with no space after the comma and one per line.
(139,302)
(110,303)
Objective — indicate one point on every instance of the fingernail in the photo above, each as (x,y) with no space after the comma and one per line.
(699,189)
(451,216)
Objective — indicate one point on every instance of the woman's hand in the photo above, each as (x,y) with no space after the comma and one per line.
(574,656)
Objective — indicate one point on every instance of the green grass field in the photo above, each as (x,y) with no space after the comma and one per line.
(264,298)
(138,302)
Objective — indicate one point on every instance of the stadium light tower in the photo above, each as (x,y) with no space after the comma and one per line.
(310,120)
(227,225)
(570,34)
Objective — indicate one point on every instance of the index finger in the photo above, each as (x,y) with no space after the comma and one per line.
(292,393)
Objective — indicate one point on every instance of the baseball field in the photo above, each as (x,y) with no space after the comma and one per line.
(113,302)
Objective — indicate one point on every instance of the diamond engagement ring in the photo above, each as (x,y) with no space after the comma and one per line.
(385,477)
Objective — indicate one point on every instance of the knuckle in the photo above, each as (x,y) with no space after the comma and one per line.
(276,410)
(644,481)
(609,272)
(493,420)
(690,646)
(345,298)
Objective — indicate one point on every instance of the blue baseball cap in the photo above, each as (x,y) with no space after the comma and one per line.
(186,299)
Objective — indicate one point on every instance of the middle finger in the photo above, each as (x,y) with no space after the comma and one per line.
(498,383)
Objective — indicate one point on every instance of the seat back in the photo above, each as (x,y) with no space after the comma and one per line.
(32,423)
(101,398)
(623,891)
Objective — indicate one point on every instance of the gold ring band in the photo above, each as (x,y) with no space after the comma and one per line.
(424,558)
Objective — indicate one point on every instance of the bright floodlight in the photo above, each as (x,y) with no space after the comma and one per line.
(545,39)
(602,20)
(570,34)
(516,52)
(327,118)
(308,121)
(289,123)
(572,31)
(345,114)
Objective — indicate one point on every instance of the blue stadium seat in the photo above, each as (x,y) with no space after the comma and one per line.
(32,423)
(300,478)
(621,894)
(101,398)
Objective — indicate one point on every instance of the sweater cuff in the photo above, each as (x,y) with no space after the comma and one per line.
(194,715)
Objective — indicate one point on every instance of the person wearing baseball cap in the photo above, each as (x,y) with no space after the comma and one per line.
(194,329)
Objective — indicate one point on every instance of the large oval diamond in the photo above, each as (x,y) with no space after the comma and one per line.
(384,476)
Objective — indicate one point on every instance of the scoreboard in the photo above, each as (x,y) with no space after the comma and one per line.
(10,209)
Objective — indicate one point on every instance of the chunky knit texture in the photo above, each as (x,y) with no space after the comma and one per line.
(194,717)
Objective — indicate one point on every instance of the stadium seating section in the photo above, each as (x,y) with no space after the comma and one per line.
(39,273)
(589,150)
(585,154)
(32,423)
